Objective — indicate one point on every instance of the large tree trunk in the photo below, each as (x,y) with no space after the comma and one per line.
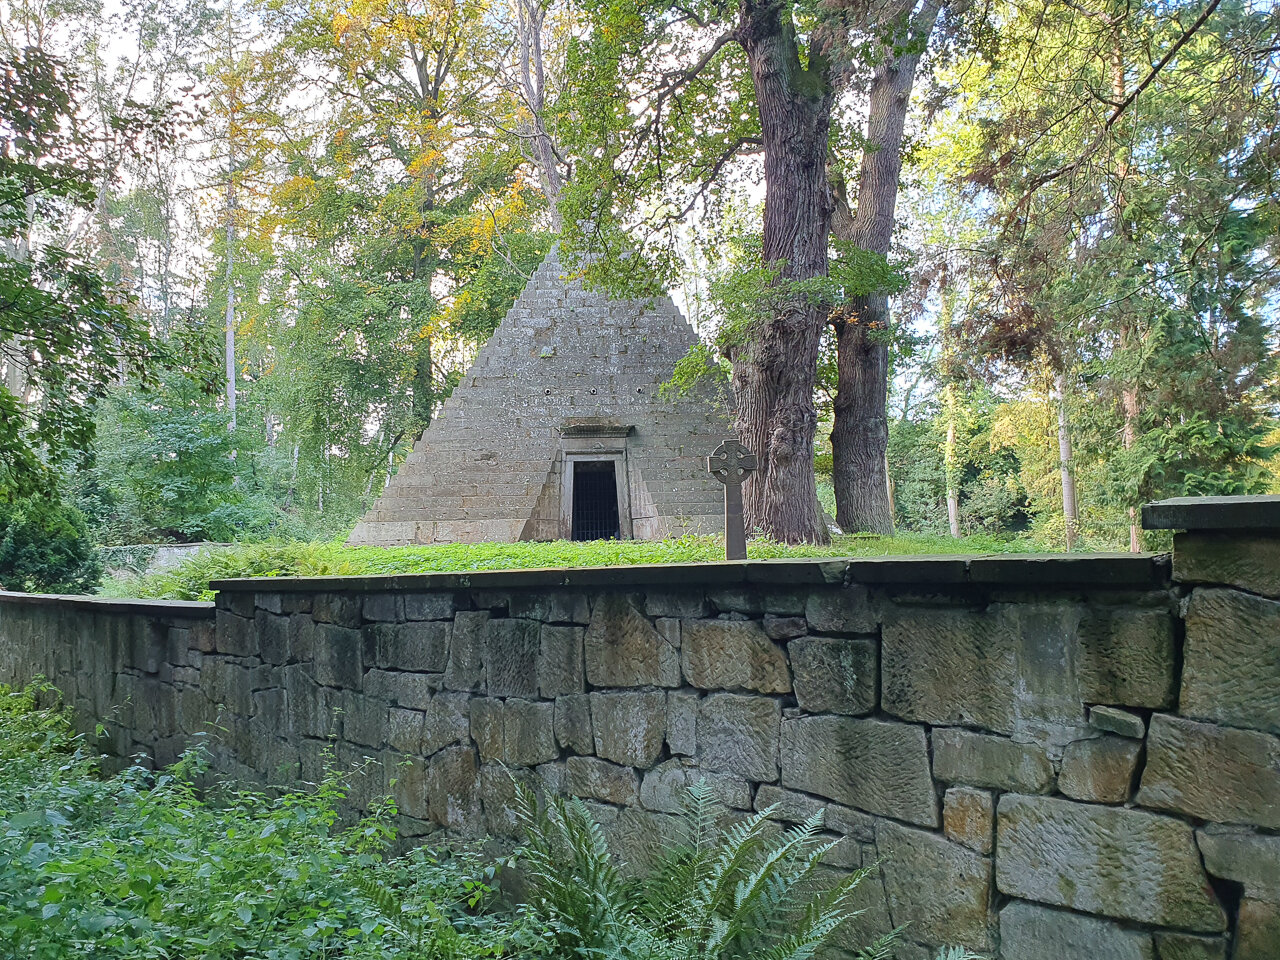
(1129,400)
(775,372)
(951,466)
(541,148)
(1070,509)
(860,436)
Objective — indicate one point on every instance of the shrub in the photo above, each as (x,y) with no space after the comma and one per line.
(143,865)
(45,547)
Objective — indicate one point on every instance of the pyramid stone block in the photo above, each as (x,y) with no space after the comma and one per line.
(563,399)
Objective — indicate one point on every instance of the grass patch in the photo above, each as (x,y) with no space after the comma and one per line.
(190,580)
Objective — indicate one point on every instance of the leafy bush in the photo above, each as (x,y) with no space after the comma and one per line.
(45,547)
(143,865)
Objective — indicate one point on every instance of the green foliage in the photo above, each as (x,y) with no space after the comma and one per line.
(65,333)
(45,547)
(144,865)
(714,894)
(749,291)
(190,579)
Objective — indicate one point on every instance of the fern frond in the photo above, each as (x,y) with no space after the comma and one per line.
(881,949)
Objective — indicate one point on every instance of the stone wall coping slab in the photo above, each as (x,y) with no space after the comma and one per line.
(1104,571)
(187,609)
(1213,513)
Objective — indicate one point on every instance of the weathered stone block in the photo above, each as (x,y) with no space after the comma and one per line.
(550,606)
(1231,660)
(687,604)
(682,722)
(413,690)
(840,610)
(625,650)
(629,727)
(419,646)
(487,728)
(666,787)
(465,669)
(794,807)
(979,760)
(1211,772)
(428,606)
(1119,863)
(273,637)
(1127,657)
(739,734)
(1099,770)
(867,902)
(527,734)
(733,654)
(312,708)
(498,785)
(639,837)
(835,674)
(595,779)
(446,721)
(941,888)
(1250,859)
(1115,720)
(383,607)
(957,667)
(364,720)
(1250,563)
(1030,932)
(560,670)
(342,609)
(452,788)
(1188,946)
(1257,930)
(339,656)
(969,817)
(234,635)
(227,683)
(875,766)
(1024,669)
(573,723)
(784,628)
(511,657)
(404,730)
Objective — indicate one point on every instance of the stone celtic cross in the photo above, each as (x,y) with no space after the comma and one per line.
(730,464)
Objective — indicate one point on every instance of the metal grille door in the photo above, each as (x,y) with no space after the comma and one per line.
(595,501)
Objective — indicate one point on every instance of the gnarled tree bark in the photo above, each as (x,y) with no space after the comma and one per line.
(860,435)
(775,373)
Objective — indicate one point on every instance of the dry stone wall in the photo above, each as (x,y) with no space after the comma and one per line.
(1040,759)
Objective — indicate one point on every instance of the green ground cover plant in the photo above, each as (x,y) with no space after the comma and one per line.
(190,580)
(148,865)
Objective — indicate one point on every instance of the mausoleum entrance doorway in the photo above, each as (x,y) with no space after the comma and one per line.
(595,501)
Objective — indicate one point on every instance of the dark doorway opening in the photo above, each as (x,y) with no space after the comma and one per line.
(595,501)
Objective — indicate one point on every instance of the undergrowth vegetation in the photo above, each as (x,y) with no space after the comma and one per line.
(190,579)
(175,864)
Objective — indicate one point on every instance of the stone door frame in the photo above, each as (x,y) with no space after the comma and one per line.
(595,442)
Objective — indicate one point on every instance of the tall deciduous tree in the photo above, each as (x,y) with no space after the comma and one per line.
(860,434)
(671,96)
(1125,164)
(67,332)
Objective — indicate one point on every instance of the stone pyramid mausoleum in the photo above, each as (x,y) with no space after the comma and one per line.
(558,432)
